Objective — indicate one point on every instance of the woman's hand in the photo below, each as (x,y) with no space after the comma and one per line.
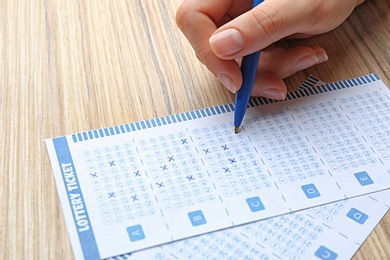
(223,31)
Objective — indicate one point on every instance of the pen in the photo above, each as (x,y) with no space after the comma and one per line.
(248,70)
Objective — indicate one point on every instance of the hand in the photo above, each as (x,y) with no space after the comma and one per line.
(223,31)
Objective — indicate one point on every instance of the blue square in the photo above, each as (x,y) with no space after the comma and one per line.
(135,233)
(255,204)
(197,218)
(325,254)
(363,178)
(310,191)
(357,215)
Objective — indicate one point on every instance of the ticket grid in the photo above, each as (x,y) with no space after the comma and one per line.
(135,186)
(331,231)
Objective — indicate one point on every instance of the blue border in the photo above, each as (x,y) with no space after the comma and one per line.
(85,233)
(307,88)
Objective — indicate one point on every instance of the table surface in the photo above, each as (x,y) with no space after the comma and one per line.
(70,66)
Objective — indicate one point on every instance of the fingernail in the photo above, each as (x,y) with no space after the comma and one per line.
(226,42)
(306,62)
(322,57)
(227,82)
(272,94)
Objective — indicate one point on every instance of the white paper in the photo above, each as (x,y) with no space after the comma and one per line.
(331,231)
(135,186)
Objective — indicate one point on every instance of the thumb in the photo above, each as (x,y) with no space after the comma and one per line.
(256,29)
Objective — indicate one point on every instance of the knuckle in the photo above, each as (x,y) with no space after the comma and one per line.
(203,55)
(268,21)
(183,16)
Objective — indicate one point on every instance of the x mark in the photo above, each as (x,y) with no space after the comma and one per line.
(232,160)
(134,197)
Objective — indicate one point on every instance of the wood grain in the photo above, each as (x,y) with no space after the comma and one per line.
(69,66)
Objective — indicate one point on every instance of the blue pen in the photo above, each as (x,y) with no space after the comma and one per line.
(248,69)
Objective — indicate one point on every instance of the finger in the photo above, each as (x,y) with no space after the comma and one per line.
(274,20)
(258,28)
(286,62)
(269,85)
(277,64)
(197,20)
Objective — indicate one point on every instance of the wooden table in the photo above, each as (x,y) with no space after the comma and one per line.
(69,66)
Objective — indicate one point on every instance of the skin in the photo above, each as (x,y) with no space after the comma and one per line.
(223,31)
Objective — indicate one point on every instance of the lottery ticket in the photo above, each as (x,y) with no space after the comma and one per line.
(134,186)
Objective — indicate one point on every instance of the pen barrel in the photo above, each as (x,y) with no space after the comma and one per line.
(256,2)
(248,70)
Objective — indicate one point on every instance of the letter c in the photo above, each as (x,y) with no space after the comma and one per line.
(255,204)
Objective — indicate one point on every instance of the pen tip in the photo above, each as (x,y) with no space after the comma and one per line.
(236,129)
